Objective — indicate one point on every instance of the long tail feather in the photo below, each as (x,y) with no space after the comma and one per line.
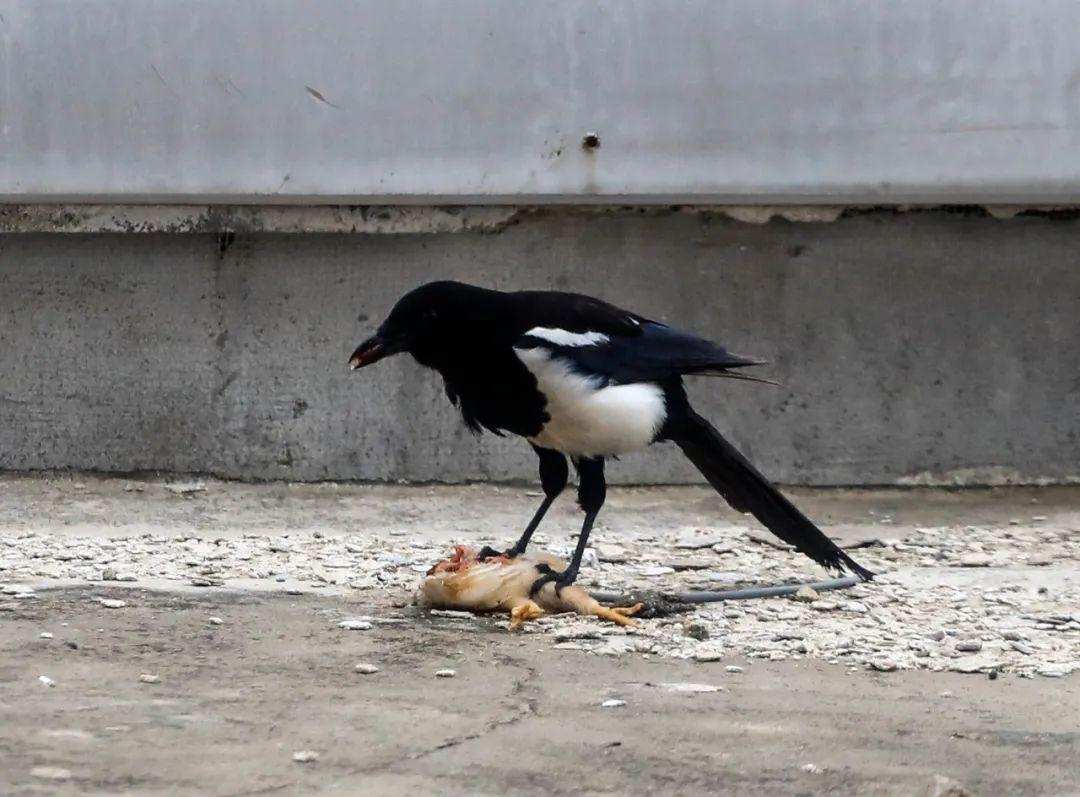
(743,377)
(747,490)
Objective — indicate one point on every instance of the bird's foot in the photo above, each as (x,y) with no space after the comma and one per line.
(550,576)
(487,552)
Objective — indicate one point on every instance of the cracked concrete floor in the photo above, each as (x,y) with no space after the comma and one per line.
(235,701)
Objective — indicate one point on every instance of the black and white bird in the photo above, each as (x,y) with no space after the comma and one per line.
(580,378)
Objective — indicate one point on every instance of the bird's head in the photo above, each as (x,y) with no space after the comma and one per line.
(421,322)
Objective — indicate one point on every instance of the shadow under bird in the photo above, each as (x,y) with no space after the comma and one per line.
(582,379)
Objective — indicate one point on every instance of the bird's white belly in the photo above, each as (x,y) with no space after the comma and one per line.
(587,419)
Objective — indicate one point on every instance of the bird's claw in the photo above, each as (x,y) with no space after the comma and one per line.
(549,576)
(487,552)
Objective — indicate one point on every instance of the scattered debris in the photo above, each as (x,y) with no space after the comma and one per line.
(1058,670)
(1025,625)
(450,613)
(813,769)
(708,654)
(46,680)
(205,581)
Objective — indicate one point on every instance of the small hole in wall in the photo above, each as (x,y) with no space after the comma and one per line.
(590,141)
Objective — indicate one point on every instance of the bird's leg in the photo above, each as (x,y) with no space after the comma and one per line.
(553,476)
(592,489)
(518,548)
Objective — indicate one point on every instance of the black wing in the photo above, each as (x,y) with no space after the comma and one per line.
(655,353)
(574,312)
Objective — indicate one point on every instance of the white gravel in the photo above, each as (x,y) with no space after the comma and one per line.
(355,625)
(960,598)
(51,773)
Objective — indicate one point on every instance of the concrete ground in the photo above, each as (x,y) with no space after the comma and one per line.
(235,700)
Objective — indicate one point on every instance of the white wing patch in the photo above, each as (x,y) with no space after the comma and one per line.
(588,418)
(560,337)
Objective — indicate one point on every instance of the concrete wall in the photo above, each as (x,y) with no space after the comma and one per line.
(482,101)
(917,346)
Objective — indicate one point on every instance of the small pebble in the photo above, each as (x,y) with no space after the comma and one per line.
(884,665)
(147,678)
(366,669)
(969,646)
(215,621)
(46,680)
(813,769)
(51,773)
(733,668)
(112,603)
(305,756)
(45,635)
(806,594)
(695,629)
(445,673)
(612,703)
(691,688)
(354,625)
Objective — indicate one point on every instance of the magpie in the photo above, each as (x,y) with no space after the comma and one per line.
(580,378)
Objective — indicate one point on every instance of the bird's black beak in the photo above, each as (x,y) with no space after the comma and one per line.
(370,351)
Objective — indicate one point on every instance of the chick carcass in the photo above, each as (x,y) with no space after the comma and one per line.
(502,585)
